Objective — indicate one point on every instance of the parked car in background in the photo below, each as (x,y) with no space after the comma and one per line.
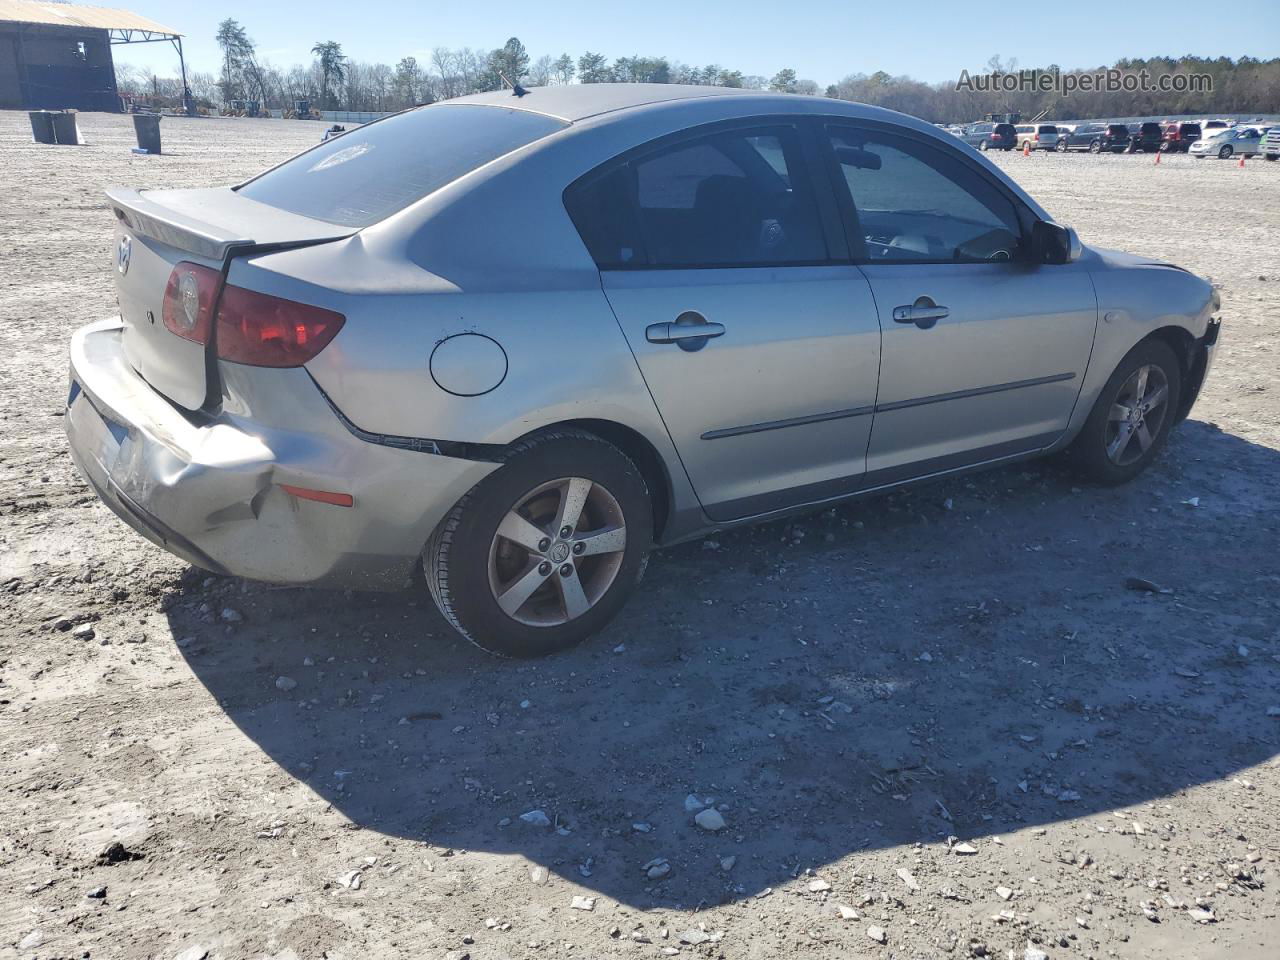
(1145,137)
(1179,136)
(723,307)
(1271,144)
(1046,137)
(1081,136)
(1114,139)
(991,136)
(1040,136)
(1231,142)
(1207,125)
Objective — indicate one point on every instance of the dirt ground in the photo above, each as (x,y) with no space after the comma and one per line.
(938,719)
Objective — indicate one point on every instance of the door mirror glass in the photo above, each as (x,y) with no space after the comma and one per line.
(1054,243)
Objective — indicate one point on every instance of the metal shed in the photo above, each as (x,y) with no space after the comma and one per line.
(58,55)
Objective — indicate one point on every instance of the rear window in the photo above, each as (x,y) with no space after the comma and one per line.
(1046,128)
(374,171)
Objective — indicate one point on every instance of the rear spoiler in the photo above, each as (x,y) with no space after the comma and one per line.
(213,222)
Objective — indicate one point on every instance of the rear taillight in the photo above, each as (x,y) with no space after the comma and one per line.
(187,308)
(252,328)
(997,136)
(265,331)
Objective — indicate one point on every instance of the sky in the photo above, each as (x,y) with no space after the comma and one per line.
(822,40)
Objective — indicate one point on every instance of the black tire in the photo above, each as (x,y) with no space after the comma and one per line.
(1225,152)
(1095,146)
(982,145)
(1271,156)
(1061,146)
(1088,452)
(1165,147)
(456,560)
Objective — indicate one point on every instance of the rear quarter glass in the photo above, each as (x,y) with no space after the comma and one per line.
(374,171)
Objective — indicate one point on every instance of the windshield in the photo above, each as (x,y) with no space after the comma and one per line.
(376,170)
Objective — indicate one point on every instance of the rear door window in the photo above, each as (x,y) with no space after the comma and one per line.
(376,170)
(737,198)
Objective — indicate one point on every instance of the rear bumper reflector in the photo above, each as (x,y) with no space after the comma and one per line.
(320,496)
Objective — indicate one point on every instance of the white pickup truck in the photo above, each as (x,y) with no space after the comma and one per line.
(1271,144)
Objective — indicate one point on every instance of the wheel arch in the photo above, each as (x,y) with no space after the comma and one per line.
(1194,363)
(642,453)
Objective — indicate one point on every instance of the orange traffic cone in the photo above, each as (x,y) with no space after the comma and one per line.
(1157,158)
(1026,148)
(1242,161)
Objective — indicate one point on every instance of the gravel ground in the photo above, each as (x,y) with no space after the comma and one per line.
(933,724)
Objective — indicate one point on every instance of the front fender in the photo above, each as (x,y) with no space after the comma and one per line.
(1138,297)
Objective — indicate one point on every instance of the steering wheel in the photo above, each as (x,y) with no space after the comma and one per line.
(997,245)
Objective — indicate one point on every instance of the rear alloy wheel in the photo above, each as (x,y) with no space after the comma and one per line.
(1132,417)
(543,552)
(982,145)
(1061,146)
(1225,152)
(1095,146)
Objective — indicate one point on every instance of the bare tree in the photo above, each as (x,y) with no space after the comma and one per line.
(541,71)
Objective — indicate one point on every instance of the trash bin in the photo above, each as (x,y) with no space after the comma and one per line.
(41,126)
(146,126)
(64,127)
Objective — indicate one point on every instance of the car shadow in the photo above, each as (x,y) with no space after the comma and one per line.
(965,659)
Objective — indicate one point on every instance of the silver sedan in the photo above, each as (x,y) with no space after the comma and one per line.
(511,342)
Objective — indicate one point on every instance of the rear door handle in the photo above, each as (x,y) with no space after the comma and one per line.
(924,313)
(691,331)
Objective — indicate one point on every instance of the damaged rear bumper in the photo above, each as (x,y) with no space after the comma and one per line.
(211,490)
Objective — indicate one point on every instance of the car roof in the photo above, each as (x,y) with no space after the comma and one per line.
(577,101)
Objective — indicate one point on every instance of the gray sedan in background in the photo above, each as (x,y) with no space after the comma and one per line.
(513,341)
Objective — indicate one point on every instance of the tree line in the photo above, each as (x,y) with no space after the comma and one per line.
(335,81)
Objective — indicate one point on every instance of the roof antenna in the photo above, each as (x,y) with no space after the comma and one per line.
(516,89)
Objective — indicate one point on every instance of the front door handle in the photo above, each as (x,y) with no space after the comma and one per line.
(924,313)
(691,330)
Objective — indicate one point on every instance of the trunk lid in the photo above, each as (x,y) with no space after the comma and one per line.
(156,230)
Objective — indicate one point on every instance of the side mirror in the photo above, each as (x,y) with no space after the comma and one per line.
(1054,243)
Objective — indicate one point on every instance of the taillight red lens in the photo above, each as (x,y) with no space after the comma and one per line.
(266,331)
(187,308)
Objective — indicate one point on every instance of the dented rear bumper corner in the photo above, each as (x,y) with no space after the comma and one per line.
(211,490)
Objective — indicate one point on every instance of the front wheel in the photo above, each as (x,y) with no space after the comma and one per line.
(1132,417)
(543,552)
(1061,146)
(1225,152)
(1095,146)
